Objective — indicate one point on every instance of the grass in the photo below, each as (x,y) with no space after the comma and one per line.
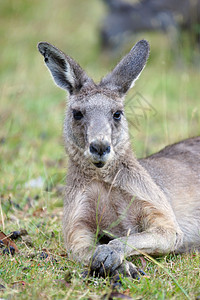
(166,109)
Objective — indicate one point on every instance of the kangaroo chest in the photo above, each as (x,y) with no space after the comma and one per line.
(110,211)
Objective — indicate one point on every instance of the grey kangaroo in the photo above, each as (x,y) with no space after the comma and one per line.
(148,206)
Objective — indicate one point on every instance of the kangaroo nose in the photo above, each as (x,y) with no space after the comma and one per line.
(99,148)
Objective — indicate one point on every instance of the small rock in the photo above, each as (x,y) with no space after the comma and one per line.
(35,183)
(9,250)
(26,269)
(23,231)
(31,255)
(85,273)
(43,255)
(14,235)
(68,276)
(2,245)
(27,240)
(2,287)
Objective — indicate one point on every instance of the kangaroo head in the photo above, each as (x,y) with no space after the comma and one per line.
(95,126)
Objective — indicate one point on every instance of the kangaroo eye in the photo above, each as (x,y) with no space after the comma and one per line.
(77,114)
(117,115)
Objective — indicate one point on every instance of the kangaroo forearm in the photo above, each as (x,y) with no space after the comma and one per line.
(80,243)
(79,239)
(147,242)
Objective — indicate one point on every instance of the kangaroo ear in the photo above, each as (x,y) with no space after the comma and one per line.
(66,73)
(124,75)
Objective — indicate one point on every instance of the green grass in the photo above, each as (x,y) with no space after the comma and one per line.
(31,146)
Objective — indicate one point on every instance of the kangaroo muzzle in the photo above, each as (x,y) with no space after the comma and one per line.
(99,152)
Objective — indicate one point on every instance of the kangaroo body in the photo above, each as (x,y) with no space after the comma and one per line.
(150,205)
(176,170)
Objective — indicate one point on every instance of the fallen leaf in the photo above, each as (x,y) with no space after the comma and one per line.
(46,250)
(39,212)
(143,262)
(127,292)
(7,241)
(16,284)
(64,254)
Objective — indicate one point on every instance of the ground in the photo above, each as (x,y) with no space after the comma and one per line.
(163,108)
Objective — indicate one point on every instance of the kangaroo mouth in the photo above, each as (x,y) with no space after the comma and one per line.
(99,164)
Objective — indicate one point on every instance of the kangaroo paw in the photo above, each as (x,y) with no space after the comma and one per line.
(105,261)
(128,269)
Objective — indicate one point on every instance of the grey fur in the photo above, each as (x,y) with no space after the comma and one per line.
(150,205)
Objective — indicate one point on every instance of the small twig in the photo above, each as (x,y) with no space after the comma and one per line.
(2,217)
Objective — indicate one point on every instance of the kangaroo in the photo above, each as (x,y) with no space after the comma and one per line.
(148,206)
